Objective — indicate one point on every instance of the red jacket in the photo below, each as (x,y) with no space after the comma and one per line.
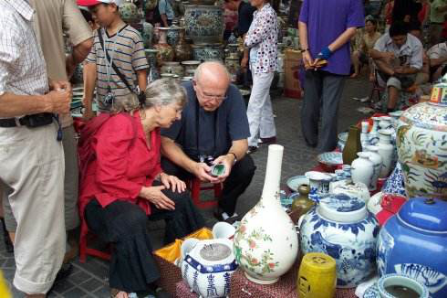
(122,165)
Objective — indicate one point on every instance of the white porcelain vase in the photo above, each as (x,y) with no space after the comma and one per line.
(386,151)
(377,161)
(208,266)
(363,169)
(266,243)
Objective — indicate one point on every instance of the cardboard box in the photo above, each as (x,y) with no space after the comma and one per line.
(165,257)
(293,71)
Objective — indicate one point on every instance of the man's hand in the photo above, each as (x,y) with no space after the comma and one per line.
(307,60)
(227,161)
(58,102)
(155,195)
(202,171)
(389,56)
(88,113)
(173,183)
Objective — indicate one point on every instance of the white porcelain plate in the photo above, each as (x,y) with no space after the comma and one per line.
(330,158)
(372,292)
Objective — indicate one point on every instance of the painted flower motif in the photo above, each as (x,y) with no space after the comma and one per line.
(271,265)
(252,244)
(243,229)
(254,261)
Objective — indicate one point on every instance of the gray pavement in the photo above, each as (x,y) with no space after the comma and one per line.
(90,279)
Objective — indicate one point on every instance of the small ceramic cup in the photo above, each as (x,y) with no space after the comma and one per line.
(319,184)
(400,286)
(223,230)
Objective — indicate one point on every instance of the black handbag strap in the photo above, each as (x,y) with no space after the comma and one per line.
(114,67)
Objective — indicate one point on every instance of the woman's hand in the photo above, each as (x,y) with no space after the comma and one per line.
(173,183)
(307,60)
(155,195)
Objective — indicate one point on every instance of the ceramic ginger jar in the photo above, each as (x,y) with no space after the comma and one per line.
(208,266)
(422,146)
(414,243)
(204,23)
(206,52)
(129,12)
(341,227)
(266,243)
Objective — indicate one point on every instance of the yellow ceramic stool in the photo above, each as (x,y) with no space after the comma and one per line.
(317,276)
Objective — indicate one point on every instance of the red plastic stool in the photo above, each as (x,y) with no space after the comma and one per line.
(195,187)
(84,250)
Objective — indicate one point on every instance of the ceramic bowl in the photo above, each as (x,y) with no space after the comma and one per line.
(223,230)
(294,182)
(330,160)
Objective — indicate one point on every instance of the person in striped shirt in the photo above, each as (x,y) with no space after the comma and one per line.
(124,47)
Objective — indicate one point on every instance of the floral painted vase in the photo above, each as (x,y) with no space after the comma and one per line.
(422,146)
(129,12)
(148,31)
(206,52)
(413,243)
(165,52)
(266,251)
(182,49)
(204,23)
(208,266)
(341,227)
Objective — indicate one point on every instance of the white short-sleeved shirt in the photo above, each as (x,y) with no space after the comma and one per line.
(409,54)
(437,51)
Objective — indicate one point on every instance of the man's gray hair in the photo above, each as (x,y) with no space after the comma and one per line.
(198,71)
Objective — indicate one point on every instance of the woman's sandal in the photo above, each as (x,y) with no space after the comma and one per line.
(116,293)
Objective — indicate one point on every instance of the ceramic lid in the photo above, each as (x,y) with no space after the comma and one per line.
(425,115)
(342,208)
(425,214)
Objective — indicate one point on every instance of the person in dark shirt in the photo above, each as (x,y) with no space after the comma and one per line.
(213,129)
(245,16)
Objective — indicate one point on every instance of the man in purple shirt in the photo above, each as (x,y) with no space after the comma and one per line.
(325,29)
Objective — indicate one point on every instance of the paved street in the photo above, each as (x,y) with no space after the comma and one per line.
(90,279)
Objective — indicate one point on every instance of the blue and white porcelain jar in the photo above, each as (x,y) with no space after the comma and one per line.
(341,227)
(413,243)
(208,267)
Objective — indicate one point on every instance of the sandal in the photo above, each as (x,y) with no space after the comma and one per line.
(116,293)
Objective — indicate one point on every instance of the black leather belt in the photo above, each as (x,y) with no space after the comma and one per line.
(36,120)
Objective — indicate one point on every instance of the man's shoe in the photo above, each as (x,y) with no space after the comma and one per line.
(222,216)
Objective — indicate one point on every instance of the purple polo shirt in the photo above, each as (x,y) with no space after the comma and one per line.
(326,20)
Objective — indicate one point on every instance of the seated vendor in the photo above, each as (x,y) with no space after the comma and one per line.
(437,60)
(124,186)
(398,57)
(213,130)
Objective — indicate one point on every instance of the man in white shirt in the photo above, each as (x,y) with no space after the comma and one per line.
(398,56)
(437,60)
(31,153)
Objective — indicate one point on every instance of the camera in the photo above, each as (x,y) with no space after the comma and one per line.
(207,159)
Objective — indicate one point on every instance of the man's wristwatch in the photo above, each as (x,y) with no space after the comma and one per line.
(304,50)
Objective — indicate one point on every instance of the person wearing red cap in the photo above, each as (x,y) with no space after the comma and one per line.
(117,64)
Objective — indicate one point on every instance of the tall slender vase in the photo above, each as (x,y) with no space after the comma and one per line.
(386,150)
(352,146)
(266,244)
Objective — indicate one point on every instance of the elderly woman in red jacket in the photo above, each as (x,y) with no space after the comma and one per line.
(124,186)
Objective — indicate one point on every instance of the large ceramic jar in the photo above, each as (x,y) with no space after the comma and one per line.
(413,243)
(190,67)
(206,52)
(151,56)
(422,146)
(341,227)
(266,243)
(204,23)
(208,266)
(129,12)
(165,52)
(172,67)
(172,34)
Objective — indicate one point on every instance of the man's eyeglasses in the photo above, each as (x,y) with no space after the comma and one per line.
(207,97)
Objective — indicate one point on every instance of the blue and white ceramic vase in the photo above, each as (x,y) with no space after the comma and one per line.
(206,52)
(148,31)
(422,146)
(204,23)
(395,183)
(341,227)
(151,56)
(208,267)
(413,243)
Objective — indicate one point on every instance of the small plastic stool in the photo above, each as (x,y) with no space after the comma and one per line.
(84,250)
(195,188)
